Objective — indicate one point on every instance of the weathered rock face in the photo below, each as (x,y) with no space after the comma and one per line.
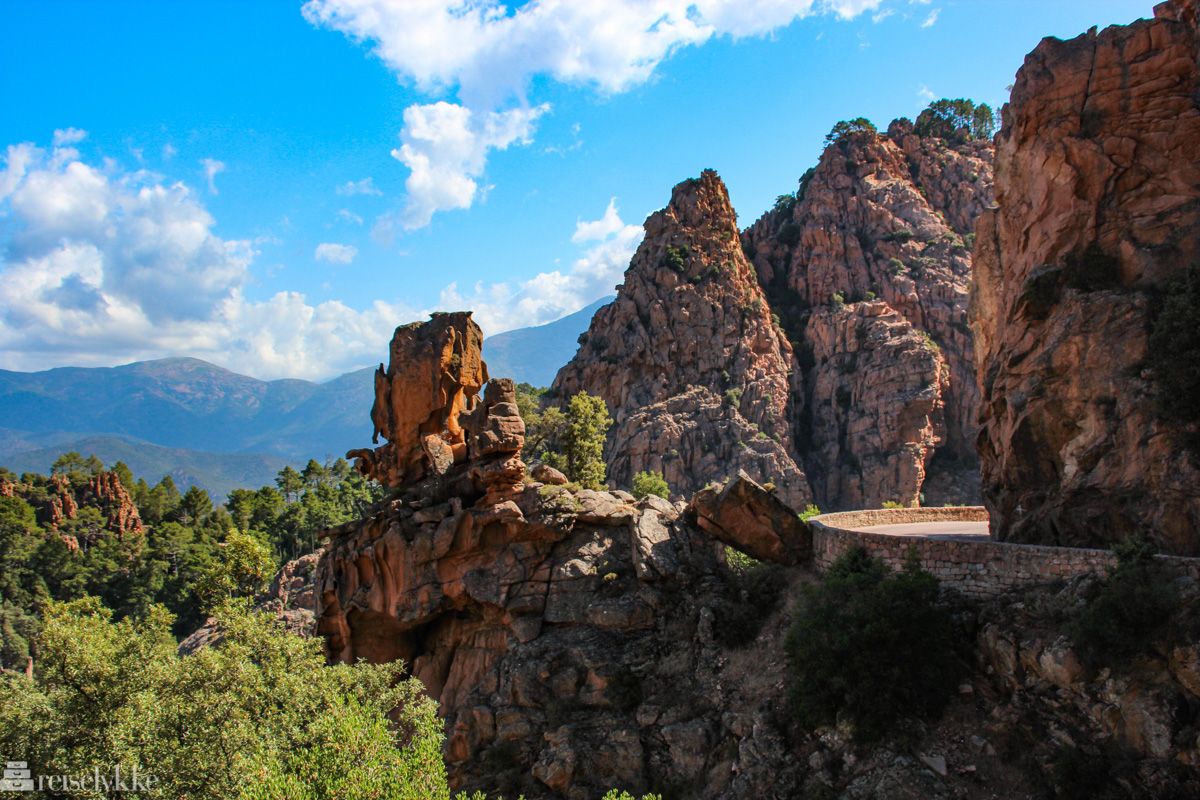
(434,371)
(876,410)
(743,514)
(1097,181)
(106,492)
(883,217)
(690,332)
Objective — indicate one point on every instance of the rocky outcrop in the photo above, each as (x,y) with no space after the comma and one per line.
(881,218)
(751,519)
(106,492)
(567,634)
(1097,182)
(1046,699)
(699,379)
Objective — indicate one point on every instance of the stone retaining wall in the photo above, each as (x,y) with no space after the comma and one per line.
(974,568)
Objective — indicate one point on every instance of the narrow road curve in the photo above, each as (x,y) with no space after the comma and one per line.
(965,530)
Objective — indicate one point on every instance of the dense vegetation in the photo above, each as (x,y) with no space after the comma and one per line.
(1135,606)
(871,647)
(1174,351)
(190,556)
(257,715)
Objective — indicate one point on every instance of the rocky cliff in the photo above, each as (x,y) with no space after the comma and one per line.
(1097,183)
(828,354)
(568,635)
(882,219)
(701,382)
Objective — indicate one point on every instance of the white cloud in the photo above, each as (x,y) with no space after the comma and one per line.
(550,295)
(926,94)
(335,253)
(445,148)
(346,215)
(488,53)
(68,136)
(105,266)
(365,186)
(881,15)
(211,168)
(168,151)
(932,19)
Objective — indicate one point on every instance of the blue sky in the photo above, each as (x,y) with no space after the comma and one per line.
(274,186)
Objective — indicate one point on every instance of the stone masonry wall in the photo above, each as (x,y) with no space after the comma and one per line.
(976,569)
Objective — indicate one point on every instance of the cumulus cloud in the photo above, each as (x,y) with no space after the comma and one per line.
(489,53)
(335,253)
(550,295)
(445,148)
(364,186)
(211,168)
(68,136)
(106,266)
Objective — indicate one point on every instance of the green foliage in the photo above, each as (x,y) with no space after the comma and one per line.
(587,424)
(845,129)
(545,430)
(896,266)
(257,715)
(900,235)
(752,592)
(647,483)
(613,794)
(838,300)
(784,204)
(892,504)
(675,258)
(871,647)
(1128,611)
(76,468)
(734,397)
(1174,349)
(190,554)
(809,512)
(956,120)
(243,568)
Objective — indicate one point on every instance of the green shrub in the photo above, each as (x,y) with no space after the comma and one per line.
(733,397)
(871,647)
(752,592)
(1128,611)
(647,483)
(892,504)
(838,300)
(675,258)
(896,266)
(809,512)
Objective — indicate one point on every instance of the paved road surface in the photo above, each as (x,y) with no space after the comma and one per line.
(962,531)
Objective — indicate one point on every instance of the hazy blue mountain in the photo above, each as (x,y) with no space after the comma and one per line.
(208,426)
(534,355)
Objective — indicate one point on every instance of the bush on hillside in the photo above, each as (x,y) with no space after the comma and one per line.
(871,647)
(647,483)
(1127,611)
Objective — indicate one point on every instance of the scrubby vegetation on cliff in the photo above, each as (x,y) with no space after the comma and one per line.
(871,647)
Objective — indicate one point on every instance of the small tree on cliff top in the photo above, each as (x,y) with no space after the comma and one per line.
(587,425)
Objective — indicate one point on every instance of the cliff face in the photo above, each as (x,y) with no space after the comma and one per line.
(568,635)
(885,217)
(699,379)
(1097,181)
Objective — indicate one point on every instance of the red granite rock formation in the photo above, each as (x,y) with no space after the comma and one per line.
(106,492)
(883,217)
(1098,182)
(698,377)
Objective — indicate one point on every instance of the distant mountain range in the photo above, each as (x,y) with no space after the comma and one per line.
(205,425)
(534,355)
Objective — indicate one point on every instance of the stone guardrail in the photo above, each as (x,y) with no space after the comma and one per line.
(978,569)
